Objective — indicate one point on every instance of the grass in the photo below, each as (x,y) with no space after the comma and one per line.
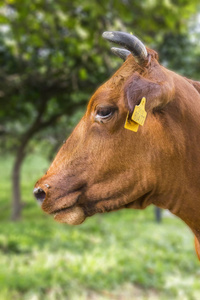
(121,255)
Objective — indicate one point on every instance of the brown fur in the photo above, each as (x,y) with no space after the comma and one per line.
(104,167)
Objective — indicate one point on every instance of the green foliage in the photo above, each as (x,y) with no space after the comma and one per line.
(123,254)
(180,53)
(52,54)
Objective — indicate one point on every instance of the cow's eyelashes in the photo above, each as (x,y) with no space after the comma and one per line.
(104,113)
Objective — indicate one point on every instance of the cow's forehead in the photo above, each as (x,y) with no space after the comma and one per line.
(128,68)
(107,94)
(110,91)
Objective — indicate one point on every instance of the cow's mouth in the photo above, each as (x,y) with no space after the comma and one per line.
(65,209)
(73,215)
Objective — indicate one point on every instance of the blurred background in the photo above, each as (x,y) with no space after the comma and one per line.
(52,58)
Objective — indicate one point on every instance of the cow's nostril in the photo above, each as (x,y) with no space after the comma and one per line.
(39,194)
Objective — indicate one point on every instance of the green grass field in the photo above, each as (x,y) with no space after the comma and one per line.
(122,255)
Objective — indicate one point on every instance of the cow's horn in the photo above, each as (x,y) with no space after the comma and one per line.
(122,53)
(128,41)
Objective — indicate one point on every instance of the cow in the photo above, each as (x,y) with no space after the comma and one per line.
(110,161)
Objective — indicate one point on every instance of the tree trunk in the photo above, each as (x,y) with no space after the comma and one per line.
(21,154)
(16,190)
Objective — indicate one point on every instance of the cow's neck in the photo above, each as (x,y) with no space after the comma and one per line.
(184,198)
(188,209)
(177,180)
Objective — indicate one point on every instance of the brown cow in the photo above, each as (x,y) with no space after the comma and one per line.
(104,167)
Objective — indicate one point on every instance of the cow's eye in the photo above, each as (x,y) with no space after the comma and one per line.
(104,113)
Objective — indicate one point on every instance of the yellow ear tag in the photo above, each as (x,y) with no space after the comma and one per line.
(138,117)
(131,125)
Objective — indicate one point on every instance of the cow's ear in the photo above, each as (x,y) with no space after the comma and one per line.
(157,94)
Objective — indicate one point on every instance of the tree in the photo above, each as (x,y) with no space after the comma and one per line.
(52,57)
(45,67)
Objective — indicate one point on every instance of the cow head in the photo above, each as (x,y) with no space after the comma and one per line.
(103,166)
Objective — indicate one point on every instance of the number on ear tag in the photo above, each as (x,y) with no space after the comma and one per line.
(138,117)
(139,114)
